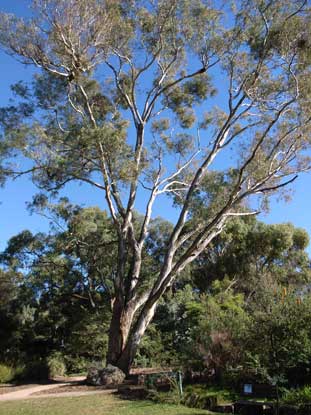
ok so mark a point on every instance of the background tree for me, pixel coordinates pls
(58, 287)
(278, 347)
(252, 254)
(215, 318)
(61, 304)
(133, 132)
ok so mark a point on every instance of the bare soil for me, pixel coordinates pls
(14, 388)
(74, 387)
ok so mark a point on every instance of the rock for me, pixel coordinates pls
(108, 376)
(111, 375)
(93, 377)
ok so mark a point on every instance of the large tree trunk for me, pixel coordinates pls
(128, 354)
(124, 336)
(120, 326)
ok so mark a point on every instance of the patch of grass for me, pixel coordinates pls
(93, 405)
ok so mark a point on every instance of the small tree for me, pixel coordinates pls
(127, 103)
(278, 343)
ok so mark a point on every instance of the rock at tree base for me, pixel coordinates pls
(108, 376)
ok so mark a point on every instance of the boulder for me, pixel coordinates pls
(93, 377)
(108, 376)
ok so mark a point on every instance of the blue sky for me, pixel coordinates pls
(13, 197)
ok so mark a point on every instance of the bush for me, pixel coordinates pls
(6, 373)
(35, 370)
(298, 396)
(141, 361)
(170, 397)
(19, 371)
(56, 365)
(206, 398)
(76, 365)
(195, 400)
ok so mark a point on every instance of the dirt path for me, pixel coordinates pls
(33, 391)
(36, 391)
(26, 393)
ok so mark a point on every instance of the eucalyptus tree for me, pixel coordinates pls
(127, 102)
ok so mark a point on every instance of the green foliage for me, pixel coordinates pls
(61, 302)
(297, 396)
(219, 330)
(35, 370)
(76, 364)
(19, 371)
(195, 400)
(171, 397)
(175, 322)
(279, 342)
(56, 365)
(200, 325)
(199, 396)
(217, 335)
(6, 373)
(249, 251)
(152, 352)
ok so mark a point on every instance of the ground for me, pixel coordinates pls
(68, 396)
(99, 404)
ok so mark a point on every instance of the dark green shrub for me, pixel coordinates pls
(76, 365)
(170, 397)
(35, 370)
(298, 396)
(196, 400)
(198, 396)
(19, 371)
